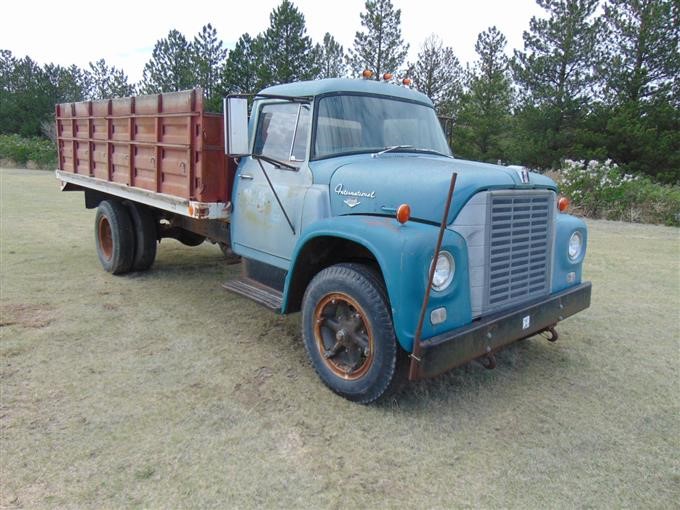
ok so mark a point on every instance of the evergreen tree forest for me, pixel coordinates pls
(594, 79)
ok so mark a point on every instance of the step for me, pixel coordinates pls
(247, 287)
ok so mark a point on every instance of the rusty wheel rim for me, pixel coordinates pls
(105, 238)
(343, 336)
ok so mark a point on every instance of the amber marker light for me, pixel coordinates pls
(387, 76)
(367, 74)
(403, 213)
(407, 82)
(562, 204)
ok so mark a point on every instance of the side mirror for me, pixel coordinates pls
(236, 126)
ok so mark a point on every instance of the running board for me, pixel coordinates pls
(247, 287)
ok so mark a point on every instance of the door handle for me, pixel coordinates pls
(246, 176)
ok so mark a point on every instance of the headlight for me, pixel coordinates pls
(575, 245)
(443, 271)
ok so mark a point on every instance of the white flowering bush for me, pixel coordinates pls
(601, 190)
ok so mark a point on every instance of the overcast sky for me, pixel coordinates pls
(124, 32)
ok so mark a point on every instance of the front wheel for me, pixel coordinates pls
(348, 332)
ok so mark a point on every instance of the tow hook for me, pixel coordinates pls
(550, 334)
(488, 361)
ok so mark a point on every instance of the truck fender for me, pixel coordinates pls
(567, 272)
(403, 254)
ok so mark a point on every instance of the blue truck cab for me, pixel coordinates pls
(321, 175)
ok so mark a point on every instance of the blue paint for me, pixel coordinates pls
(416, 179)
(565, 225)
(354, 197)
(331, 86)
(404, 253)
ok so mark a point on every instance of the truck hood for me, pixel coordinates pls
(379, 185)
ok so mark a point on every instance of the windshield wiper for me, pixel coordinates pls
(275, 162)
(411, 148)
(389, 149)
(432, 151)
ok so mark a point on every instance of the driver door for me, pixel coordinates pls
(260, 228)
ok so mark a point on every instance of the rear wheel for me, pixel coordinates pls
(348, 332)
(146, 236)
(114, 237)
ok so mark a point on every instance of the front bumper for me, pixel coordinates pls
(453, 348)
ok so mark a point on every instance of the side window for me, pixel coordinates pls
(301, 134)
(282, 131)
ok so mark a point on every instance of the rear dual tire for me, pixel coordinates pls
(146, 236)
(125, 237)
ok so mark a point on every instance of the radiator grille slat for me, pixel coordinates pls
(519, 246)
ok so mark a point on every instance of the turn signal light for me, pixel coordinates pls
(407, 82)
(562, 204)
(387, 76)
(367, 74)
(403, 213)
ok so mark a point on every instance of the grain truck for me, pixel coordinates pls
(341, 200)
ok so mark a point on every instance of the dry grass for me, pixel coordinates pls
(162, 390)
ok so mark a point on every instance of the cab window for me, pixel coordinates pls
(282, 131)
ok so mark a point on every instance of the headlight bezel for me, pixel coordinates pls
(575, 253)
(446, 282)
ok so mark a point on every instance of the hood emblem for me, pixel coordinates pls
(523, 175)
(352, 202)
(340, 190)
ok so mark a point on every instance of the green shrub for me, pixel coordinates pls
(601, 190)
(21, 150)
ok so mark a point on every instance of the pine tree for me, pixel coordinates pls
(69, 84)
(555, 77)
(287, 51)
(641, 60)
(27, 98)
(639, 75)
(241, 70)
(437, 73)
(208, 60)
(106, 82)
(169, 68)
(330, 58)
(9, 122)
(482, 130)
(380, 48)
(556, 66)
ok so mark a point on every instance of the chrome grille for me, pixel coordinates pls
(519, 247)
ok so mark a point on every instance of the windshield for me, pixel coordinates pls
(348, 124)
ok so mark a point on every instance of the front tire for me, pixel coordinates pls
(114, 237)
(348, 333)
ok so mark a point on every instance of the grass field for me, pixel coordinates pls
(163, 390)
